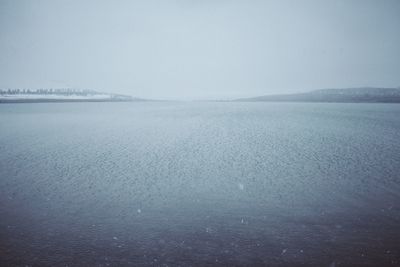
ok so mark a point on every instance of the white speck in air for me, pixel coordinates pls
(241, 186)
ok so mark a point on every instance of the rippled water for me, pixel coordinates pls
(197, 184)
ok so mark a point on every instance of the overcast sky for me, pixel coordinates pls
(193, 49)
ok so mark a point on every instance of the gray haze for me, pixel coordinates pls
(199, 49)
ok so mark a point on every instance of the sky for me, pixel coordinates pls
(193, 49)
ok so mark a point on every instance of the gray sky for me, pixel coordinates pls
(199, 49)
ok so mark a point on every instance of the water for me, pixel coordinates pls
(199, 184)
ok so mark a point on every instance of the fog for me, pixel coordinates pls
(199, 49)
(90, 176)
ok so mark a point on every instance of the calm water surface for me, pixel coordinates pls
(199, 184)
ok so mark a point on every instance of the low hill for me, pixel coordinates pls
(348, 95)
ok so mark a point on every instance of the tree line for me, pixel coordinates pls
(51, 91)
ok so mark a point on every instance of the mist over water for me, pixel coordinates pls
(181, 184)
(199, 49)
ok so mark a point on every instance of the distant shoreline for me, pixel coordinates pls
(22, 101)
(349, 95)
(367, 101)
(345, 95)
(60, 95)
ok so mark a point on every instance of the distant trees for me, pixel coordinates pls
(10, 91)
(49, 91)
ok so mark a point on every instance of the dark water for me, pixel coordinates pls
(199, 184)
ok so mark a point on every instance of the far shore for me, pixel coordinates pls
(21, 101)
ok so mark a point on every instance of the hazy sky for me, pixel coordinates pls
(193, 49)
